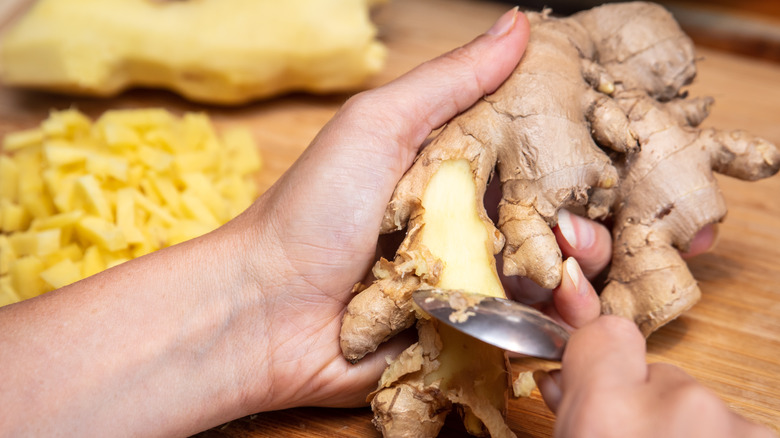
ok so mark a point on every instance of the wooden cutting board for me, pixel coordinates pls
(730, 341)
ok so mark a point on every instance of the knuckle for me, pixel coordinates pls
(358, 102)
(370, 113)
(461, 56)
(464, 62)
(692, 397)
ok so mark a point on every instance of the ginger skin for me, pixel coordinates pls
(667, 189)
(649, 282)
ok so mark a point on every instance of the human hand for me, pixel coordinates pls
(325, 219)
(605, 388)
(316, 227)
(321, 236)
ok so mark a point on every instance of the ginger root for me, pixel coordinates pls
(207, 50)
(441, 368)
(608, 77)
(547, 159)
(667, 189)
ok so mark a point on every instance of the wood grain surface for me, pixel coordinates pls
(730, 341)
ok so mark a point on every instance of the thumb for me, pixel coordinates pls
(376, 134)
(428, 96)
(407, 109)
(343, 181)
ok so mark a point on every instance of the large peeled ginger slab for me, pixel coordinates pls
(216, 51)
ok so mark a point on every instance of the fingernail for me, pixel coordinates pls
(549, 384)
(567, 227)
(708, 234)
(574, 272)
(555, 375)
(580, 237)
(505, 23)
(546, 382)
(715, 236)
(540, 376)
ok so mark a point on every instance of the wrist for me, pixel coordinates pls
(250, 263)
(213, 344)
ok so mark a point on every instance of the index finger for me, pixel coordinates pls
(703, 241)
(586, 240)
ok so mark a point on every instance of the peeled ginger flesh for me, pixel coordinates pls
(78, 197)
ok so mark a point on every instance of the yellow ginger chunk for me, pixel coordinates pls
(119, 135)
(7, 254)
(93, 262)
(62, 153)
(39, 243)
(9, 175)
(7, 293)
(194, 208)
(241, 149)
(78, 197)
(94, 197)
(60, 220)
(104, 166)
(12, 217)
(67, 124)
(71, 252)
(125, 216)
(210, 50)
(25, 274)
(22, 139)
(61, 274)
(199, 186)
(101, 232)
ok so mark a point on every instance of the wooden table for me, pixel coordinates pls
(730, 341)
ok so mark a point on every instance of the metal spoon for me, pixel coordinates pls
(504, 323)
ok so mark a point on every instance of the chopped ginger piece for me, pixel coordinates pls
(524, 384)
(78, 197)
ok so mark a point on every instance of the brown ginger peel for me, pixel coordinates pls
(668, 191)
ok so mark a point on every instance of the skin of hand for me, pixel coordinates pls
(605, 388)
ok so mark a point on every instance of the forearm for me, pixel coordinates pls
(141, 349)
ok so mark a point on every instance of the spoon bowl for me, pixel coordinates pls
(506, 324)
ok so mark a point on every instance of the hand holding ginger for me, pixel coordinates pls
(244, 319)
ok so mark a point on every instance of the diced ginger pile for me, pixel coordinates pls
(78, 197)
